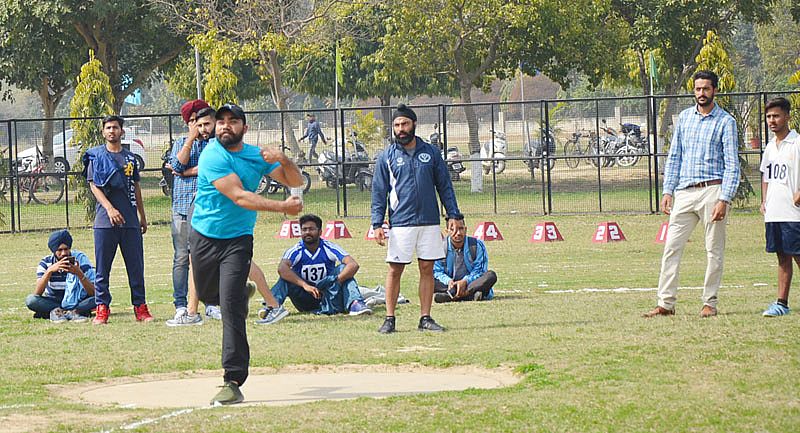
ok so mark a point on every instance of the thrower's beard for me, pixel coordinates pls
(230, 139)
(407, 138)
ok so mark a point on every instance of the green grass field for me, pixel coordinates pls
(590, 363)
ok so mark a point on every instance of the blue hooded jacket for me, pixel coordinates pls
(408, 183)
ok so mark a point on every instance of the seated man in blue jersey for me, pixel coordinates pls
(310, 277)
(64, 283)
(464, 274)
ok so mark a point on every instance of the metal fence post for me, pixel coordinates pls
(15, 173)
(544, 163)
(649, 152)
(543, 107)
(340, 169)
(66, 172)
(599, 158)
(10, 179)
(656, 153)
(494, 171)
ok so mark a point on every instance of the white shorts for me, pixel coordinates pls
(427, 241)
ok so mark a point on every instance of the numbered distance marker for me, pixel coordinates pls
(608, 232)
(370, 236)
(289, 229)
(335, 230)
(545, 232)
(661, 237)
(487, 231)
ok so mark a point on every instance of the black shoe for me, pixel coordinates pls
(426, 323)
(388, 326)
(442, 297)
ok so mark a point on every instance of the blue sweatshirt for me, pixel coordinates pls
(408, 183)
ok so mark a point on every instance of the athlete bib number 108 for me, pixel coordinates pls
(777, 172)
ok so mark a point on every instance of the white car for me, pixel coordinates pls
(62, 165)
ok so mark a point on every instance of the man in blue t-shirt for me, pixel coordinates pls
(64, 283)
(113, 175)
(317, 275)
(221, 240)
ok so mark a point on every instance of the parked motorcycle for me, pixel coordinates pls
(534, 150)
(632, 145)
(452, 157)
(354, 168)
(272, 186)
(166, 173)
(499, 155)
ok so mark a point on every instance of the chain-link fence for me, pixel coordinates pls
(531, 158)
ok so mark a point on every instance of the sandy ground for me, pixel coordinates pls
(285, 386)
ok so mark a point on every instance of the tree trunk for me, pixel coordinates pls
(386, 114)
(643, 78)
(474, 141)
(281, 99)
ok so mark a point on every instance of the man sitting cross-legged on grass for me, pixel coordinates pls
(464, 274)
(64, 283)
(310, 277)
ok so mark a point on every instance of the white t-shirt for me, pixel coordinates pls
(780, 168)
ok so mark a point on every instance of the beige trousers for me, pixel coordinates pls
(690, 206)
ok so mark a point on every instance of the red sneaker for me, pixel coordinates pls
(142, 313)
(101, 317)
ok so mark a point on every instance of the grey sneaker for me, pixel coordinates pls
(229, 394)
(76, 317)
(58, 315)
(185, 320)
(213, 312)
(272, 315)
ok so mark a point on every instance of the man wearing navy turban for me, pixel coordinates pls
(64, 283)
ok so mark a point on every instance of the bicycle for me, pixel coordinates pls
(42, 187)
(574, 150)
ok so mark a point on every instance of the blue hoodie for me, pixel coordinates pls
(443, 269)
(408, 184)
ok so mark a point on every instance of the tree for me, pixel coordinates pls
(266, 30)
(476, 42)
(358, 29)
(676, 30)
(39, 54)
(93, 99)
(129, 37)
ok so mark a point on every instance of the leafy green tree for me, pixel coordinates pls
(358, 29)
(475, 43)
(39, 54)
(131, 39)
(93, 99)
(266, 31)
(675, 30)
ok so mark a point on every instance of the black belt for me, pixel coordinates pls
(706, 183)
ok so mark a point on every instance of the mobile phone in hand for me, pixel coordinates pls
(71, 260)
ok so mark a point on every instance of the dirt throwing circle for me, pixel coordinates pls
(293, 385)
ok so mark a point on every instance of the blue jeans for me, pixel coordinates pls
(333, 301)
(43, 305)
(180, 261)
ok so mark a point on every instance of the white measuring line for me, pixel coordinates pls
(16, 406)
(147, 421)
(628, 289)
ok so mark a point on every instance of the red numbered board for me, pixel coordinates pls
(546, 232)
(289, 229)
(661, 237)
(335, 230)
(370, 236)
(487, 231)
(608, 232)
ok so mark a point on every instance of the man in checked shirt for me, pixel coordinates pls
(700, 179)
